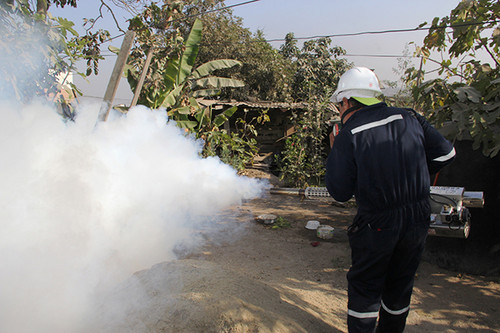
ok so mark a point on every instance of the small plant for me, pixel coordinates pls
(237, 148)
(281, 223)
(230, 148)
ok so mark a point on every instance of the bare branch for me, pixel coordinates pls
(112, 14)
(101, 16)
(132, 7)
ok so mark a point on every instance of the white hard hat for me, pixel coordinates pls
(359, 83)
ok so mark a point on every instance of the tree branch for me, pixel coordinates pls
(491, 54)
(112, 14)
(101, 16)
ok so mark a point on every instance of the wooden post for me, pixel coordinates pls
(142, 78)
(116, 75)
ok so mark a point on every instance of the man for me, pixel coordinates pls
(384, 157)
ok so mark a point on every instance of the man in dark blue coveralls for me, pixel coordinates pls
(384, 157)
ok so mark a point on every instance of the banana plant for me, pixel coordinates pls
(178, 83)
(184, 83)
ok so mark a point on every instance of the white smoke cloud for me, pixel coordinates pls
(84, 206)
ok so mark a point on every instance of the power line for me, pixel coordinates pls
(344, 55)
(219, 9)
(379, 55)
(384, 31)
(379, 32)
(199, 14)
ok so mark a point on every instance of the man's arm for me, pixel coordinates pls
(439, 151)
(340, 171)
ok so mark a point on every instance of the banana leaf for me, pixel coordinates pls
(220, 119)
(206, 93)
(171, 98)
(207, 68)
(171, 73)
(190, 53)
(187, 124)
(218, 82)
(184, 110)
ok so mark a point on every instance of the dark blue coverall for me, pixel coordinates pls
(384, 157)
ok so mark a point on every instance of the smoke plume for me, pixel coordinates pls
(84, 206)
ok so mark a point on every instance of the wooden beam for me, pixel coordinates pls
(142, 78)
(116, 75)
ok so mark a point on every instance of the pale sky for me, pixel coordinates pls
(306, 19)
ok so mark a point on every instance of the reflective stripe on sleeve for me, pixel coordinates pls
(376, 123)
(445, 157)
(362, 315)
(395, 312)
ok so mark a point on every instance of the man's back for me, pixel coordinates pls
(388, 159)
(380, 157)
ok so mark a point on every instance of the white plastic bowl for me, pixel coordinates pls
(266, 218)
(324, 232)
(312, 225)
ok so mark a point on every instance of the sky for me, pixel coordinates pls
(305, 19)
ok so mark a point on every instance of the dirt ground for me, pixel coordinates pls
(255, 278)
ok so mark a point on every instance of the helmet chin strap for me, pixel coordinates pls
(350, 110)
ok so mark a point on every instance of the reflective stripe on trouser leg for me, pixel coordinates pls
(396, 296)
(371, 253)
(360, 322)
(392, 320)
(362, 315)
(395, 312)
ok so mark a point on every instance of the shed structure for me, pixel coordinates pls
(271, 135)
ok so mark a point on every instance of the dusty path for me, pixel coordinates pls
(252, 278)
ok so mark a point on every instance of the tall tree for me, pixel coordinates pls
(465, 99)
(39, 50)
(267, 74)
(318, 67)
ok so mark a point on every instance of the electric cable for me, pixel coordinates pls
(466, 24)
(219, 9)
(442, 196)
(352, 34)
(195, 15)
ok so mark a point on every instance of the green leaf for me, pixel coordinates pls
(203, 116)
(171, 97)
(218, 82)
(206, 93)
(67, 24)
(183, 110)
(191, 52)
(470, 93)
(171, 74)
(211, 66)
(422, 25)
(114, 49)
(220, 119)
(187, 124)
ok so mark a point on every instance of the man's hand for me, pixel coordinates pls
(333, 134)
(332, 139)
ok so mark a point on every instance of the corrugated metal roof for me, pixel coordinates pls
(263, 104)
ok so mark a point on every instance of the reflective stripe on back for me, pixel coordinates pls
(377, 123)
